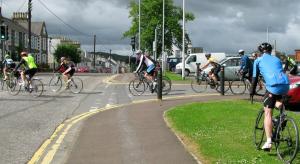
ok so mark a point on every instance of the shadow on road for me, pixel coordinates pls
(90, 93)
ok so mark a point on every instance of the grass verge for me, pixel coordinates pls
(176, 77)
(221, 132)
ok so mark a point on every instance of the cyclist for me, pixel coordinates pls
(67, 69)
(246, 66)
(7, 63)
(30, 67)
(291, 65)
(150, 64)
(213, 74)
(277, 85)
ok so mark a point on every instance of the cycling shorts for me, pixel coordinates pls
(151, 69)
(71, 72)
(270, 99)
(31, 72)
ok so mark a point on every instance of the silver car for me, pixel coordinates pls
(232, 64)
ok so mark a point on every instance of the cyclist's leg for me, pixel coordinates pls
(215, 73)
(149, 73)
(5, 73)
(269, 104)
(30, 73)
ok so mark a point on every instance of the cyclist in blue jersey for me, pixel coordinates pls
(276, 82)
(246, 66)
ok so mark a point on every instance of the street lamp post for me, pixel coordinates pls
(139, 24)
(183, 41)
(163, 39)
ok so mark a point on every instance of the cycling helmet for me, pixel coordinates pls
(62, 59)
(241, 51)
(7, 56)
(265, 47)
(138, 52)
(207, 55)
(24, 53)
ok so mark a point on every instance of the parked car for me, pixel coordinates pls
(82, 69)
(232, 64)
(192, 59)
(294, 92)
(172, 62)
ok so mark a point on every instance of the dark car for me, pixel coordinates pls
(172, 62)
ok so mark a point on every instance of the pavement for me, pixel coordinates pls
(133, 132)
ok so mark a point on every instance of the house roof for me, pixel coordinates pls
(36, 27)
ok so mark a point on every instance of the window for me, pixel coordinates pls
(232, 62)
(192, 59)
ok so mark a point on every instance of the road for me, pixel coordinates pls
(26, 122)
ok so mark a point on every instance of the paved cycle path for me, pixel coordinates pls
(133, 134)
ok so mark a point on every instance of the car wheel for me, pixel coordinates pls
(186, 72)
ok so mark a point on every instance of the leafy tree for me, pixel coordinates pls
(151, 18)
(69, 51)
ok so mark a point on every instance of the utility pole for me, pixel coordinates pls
(155, 45)
(110, 61)
(29, 25)
(94, 61)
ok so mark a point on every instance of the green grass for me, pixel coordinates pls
(221, 132)
(176, 77)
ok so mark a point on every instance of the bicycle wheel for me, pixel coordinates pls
(36, 88)
(166, 85)
(13, 86)
(288, 139)
(237, 87)
(137, 87)
(199, 85)
(226, 86)
(55, 83)
(259, 130)
(76, 85)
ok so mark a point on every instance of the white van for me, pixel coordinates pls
(192, 59)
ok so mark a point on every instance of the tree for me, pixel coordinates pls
(151, 18)
(69, 51)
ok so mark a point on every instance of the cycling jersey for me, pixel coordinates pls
(8, 63)
(148, 62)
(245, 64)
(28, 61)
(213, 62)
(270, 67)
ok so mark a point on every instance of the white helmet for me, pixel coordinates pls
(240, 51)
(138, 52)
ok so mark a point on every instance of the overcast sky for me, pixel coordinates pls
(220, 25)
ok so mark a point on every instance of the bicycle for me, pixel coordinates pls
(202, 81)
(33, 86)
(238, 87)
(285, 133)
(75, 84)
(140, 84)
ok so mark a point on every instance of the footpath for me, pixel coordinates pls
(135, 133)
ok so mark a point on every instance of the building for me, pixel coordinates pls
(297, 55)
(39, 36)
(18, 37)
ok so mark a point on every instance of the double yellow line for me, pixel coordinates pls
(62, 130)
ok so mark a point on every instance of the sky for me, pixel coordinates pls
(220, 25)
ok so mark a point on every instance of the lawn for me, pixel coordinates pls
(221, 132)
(176, 77)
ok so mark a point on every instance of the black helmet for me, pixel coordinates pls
(207, 55)
(265, 47)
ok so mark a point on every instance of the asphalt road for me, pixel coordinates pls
(26, 122)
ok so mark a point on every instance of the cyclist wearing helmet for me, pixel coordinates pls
(246, 66)
(291, 65)
(67, 69)
(30, 66)
(150, 64)
(277, 85)
(213, 74)
(7, 63)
